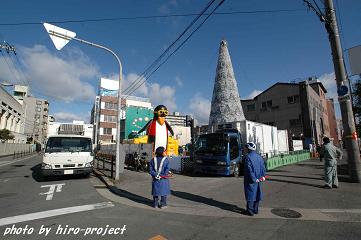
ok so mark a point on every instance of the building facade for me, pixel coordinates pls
(332, 121)
(12, 116)
(36, 118)
(301, 108)
(105, 112)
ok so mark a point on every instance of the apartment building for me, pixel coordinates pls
(299, 107)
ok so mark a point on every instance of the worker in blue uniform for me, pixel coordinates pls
(254, 174)
(159, 170)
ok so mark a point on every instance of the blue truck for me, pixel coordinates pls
(218, 153)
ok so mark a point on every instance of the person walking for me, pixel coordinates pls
(330, 154)
(254, 174)
(159, 170)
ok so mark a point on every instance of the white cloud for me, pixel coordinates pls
(10, 71)
(165, 8)
(69, 117)
(329, 82)
(162, 95)
(130, 79)
(65, 77)
(252, 94)
(179, 81)
(157, 94)
(200, 108)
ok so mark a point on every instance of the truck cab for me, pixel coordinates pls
(218, 153)
(67, 154)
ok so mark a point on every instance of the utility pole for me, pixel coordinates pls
(344, 94)
(350, 135)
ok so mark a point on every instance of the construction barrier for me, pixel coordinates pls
(287, 159)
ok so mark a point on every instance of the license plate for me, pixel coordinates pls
(68, 171)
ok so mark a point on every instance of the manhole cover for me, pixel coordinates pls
(286, 213)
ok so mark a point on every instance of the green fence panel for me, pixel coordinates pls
(283, 160)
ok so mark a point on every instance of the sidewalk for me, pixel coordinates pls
(297, 187)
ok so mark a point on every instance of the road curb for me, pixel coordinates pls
(108, 183)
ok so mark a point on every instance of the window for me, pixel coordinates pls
(295, 122)
(38, 109)
(109, 105)
(38, 102)
(233, 147)
(251, 107)
(64, 144)
(264, 104)
(269, 103)
(290, 99)
(110, 118)
(293, 99)
(107, 131)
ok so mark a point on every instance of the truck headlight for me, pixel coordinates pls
(221, 163)
(89, 164)
(46, 166)
(199, 161)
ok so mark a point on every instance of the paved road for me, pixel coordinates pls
(22, 201)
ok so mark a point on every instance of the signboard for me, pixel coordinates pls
(59, 42)
(108, 87)
(297, 145)
(355, 60)
(135, 119)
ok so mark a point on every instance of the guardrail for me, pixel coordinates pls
(287, 159)
(19, 154)
(105, 164)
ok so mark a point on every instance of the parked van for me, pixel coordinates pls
(67, 154)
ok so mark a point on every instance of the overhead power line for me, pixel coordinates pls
(154, 17)
(191, 34)
(154, 64)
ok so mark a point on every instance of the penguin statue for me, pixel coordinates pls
(157, 128)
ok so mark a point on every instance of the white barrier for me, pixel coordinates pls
(11, 148)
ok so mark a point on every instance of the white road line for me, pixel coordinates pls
(11, 162)
(54, 212)
(52, 188)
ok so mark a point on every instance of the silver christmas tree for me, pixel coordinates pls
(226, 103)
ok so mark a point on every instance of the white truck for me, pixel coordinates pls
(67, 154)
(265, 137)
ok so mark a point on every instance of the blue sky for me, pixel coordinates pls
(265, 48)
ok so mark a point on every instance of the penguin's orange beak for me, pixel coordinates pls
(161, 120)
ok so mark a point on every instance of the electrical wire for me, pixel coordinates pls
(195, 30)
(153, 17)
(139, 79)
(11, 70)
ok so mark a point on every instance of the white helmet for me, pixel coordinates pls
(251, 146)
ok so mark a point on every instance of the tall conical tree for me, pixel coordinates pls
(226, 103)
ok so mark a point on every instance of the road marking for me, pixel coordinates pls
(158, 237)
(52, 188)
(54, 212)
(11, 162)
(4, 180)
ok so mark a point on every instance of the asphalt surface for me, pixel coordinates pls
(21, 193)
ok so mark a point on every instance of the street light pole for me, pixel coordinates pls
(120, 155)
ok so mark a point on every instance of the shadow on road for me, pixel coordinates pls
(208, 201)
(295, 182)
(131, 196)
(38, 176)
(292, 176)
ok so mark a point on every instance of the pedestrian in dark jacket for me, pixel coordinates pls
(159, 170)
(254, 174)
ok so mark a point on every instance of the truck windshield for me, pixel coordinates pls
(68, 144)
(211, 143)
